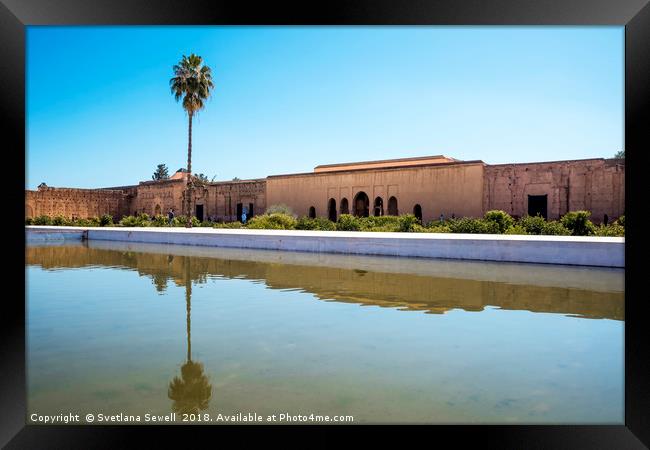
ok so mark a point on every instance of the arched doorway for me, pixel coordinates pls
(417, 212)
(344, 206)
(331, 210)
(361, 205)
(379, 207)
(312, 212)
(392, 206)
(157, 210)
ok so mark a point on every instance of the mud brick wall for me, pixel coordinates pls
(76, 203)
(596, 185)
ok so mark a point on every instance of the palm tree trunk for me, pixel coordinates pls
(188, 192)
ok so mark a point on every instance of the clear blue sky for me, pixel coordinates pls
(100, 113)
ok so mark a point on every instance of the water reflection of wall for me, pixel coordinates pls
(414, 292)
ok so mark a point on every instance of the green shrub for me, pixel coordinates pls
(440, 228)
(347, 222)
(159, 221)
(143, 220)
(473, 226)
(501, 218)
(94, 222)
(181, 221)
(620, 221)
(610, 230)
(305, 223)
(106, 220)
(437, 223)
(390, 228)
(407, 222)
(129, 221)
(430, 228)
(532, 224)
(228, 225)
(516, 229)
(28, 220)
(554, 228)
(319, 223)
(84, 223)
(538, 225)
(378, 223)
(578, 223)
(280, 208)
(60, 221)
(42, 220)
(275, 221)
(419, 228)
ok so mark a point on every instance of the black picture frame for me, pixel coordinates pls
(15, 15)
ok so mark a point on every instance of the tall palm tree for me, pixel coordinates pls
(192, 82)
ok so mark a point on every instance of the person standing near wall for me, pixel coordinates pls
(170, 214)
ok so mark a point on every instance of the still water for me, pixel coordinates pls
(135, 329)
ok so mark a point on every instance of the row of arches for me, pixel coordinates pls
(361, 207)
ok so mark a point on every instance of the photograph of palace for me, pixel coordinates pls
(325, 225)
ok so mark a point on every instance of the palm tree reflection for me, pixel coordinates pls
(191, 392)
(160, 281)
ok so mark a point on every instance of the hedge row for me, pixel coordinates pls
(141, 220)
(103, 221)
(574, 223)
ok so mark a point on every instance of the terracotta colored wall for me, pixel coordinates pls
(446, 189)
(463, 189)
(78, 203)
(596, 185)
(147, 197)
(165, 194)
(220, 199)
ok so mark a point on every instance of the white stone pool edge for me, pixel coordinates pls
(565, 250)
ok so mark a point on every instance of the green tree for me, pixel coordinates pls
(161, 173)
(236, 179)
(620, 154)
(578, 223)
(191, 83)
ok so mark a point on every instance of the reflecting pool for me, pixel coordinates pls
(135, 329)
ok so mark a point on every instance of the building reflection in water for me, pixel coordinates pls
(580, 292)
